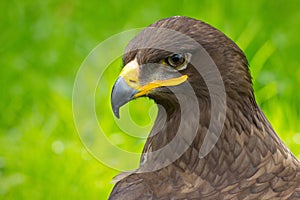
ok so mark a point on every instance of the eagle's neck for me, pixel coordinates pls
(247, 143)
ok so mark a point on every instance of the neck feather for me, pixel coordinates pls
(246, 143)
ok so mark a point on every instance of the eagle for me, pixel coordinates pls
(210, 139)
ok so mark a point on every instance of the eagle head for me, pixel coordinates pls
(180, 56)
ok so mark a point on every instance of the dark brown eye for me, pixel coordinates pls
(176, 60)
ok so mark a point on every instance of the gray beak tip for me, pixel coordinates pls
(117, 113)
(121, 94)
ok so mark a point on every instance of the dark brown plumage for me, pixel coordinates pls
(249, 161)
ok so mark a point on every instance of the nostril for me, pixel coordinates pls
(132, 81)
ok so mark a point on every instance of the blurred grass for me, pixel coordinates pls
(42, 46)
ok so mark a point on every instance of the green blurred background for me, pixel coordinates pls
(42, 45)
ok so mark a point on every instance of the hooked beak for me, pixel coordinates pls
(127, 86)
(121, 94)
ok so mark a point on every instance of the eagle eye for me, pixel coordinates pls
(177, 61)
